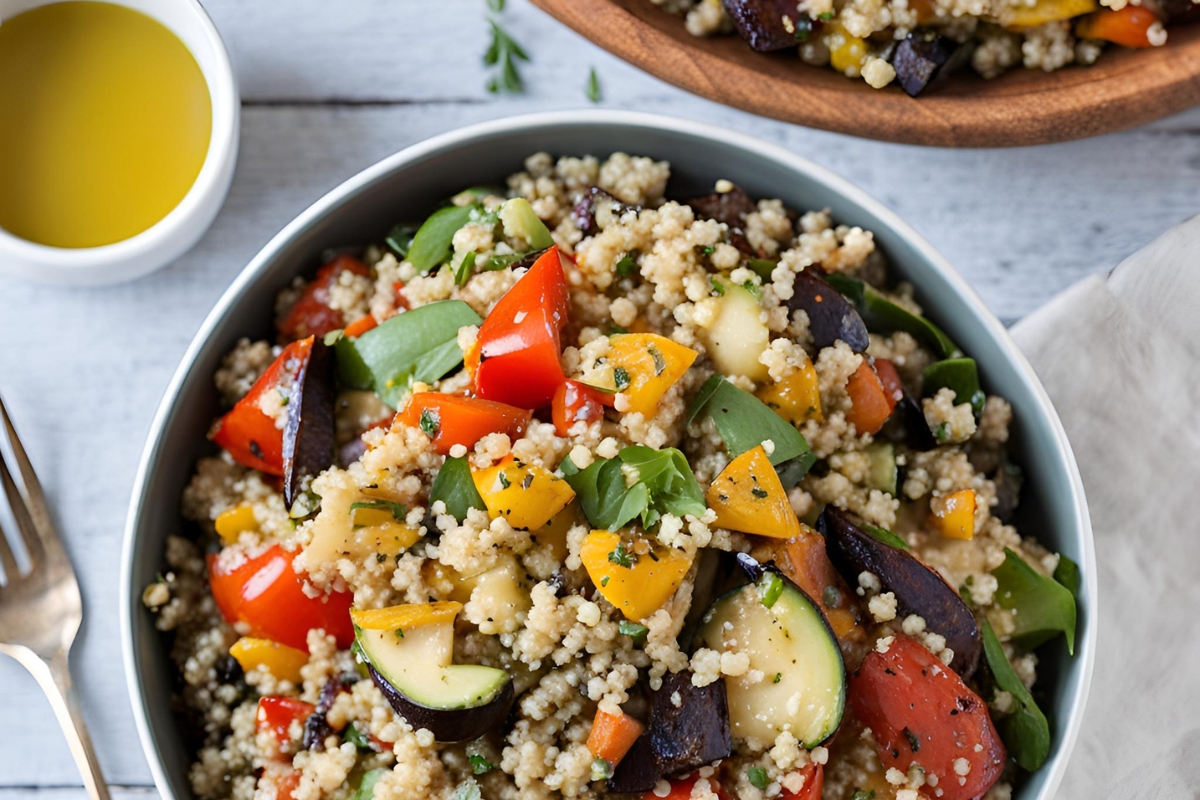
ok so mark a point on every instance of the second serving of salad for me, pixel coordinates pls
(574, 490)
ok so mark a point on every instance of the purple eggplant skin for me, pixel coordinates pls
(830, 315)
(760, 23)
(448, 724)
(916, 429)
(308, 433)
(583, 213)
(637, 772)
(730, 208)
(918, 589)
(919, 58)
(694, 733)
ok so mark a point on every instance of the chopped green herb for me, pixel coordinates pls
(634, 630)
(465, 267)
(884, 536)
(454, 486)
(753, 288)
(770, 587)
(504, 53)
(602, 769)
(626, 266)
(665, 485)
(708, 250)
(759, 493)
(398, 510)
(621, 378)
(357, 738)
(592, 90)
(831, 596)
(660, 363)
(757, 777)
(943, 432)
(604, 581)
(1042, 606)
(803, 27)
(826, 15)
(479, 764)
(778, 677)
(1025, 732)
(860, 794)
(717, 287)
(366, 787)
(504, 481)
(431, 422)
(763, 267)
(914, 743)
(622, 557)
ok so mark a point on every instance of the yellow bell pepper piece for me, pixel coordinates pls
(395, 618)
(1021, 17)
(233, 523)
(526, 495)
(954, 514)
(796, 398)
(280, 660)
(377, 530)
(749, 497)
(645, 366)
(554, 533)
(638, 584)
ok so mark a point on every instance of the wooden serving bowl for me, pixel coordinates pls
(1123, 89)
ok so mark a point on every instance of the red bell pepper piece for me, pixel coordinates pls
(266, 594)
(920, 712)
(681, 789)
(450, 419)
(519, 345)
(814, 783)
(275, 716)
(311, 315)
(251, 436)
(893, 387)
(575, 402)
(279, 781)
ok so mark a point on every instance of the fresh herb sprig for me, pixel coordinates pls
(503, 54)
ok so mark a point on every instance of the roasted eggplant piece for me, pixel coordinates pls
(919, 58)
(762, 23)
(308, 433)
(409, 652)
(830, 315)
(916, 429)
(730, 208)
(918, 589)
(583, 213)
(681, 735)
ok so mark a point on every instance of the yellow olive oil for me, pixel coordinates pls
(105, 120)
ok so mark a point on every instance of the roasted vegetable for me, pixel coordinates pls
(730, 208)
(278, 659)
(274, 720)
(830, 315)
(636, 576)
(583, 214)
(449, 419)
(409, 652)
(884, 316)
(526, 495)
(764, 24)
(312, 315)
(736, 335)
(575, 402)
(802, 559)
(689, 724)
(918, 589)
(308, 431)
(644, 367)
(920, 57)
(788, 640)
(870, 405)
(612, 735)
(919, 712)
(954, 514)
(797, 397)
(748, 497)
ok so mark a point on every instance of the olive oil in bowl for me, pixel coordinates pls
(105, 121)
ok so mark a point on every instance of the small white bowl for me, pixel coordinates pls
(175, 233)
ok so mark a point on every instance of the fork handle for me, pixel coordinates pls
(55, 679)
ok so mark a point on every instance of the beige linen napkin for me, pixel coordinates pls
(1120, 358)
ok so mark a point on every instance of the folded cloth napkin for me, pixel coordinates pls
(1120, 358)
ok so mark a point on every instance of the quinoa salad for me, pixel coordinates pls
(911, 42)
(576, 489)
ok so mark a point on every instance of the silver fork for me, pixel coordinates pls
(40, 607)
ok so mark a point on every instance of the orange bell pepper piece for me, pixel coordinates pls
(870, 404)
(1127, 27)
(450, 419)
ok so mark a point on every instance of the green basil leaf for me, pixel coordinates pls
(1043, 607)
(360, 740)
(959, 375)
(606, 501)
(366, 788)
(745, 422)
(431, 244)
(668, 478)
(417, 345)
(884, 536)
(1025, 732)
(455, 487)
(665, 485)
(1067, 573)
(883, 315)
(400, 239)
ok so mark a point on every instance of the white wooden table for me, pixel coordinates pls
(331, 87)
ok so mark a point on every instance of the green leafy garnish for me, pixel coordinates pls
(943, 432)
(479, 764)
(863, 794)
(1043, 607)
(431, 244)
(757, 777)
(1067, 573)
(959, 375)
(884, 536)
(717, 287)
(1025, 732)
(430, 422)
(366, 788)
(881, 314)
(455, 487)
(621, 379)
(634, 630)
(778, 677)
(745, 422)
(462, 273)
(504, 53)
(357, 738)
(826, 15)
(602, 769)
(398, 510)
(770, 587)
(626, 266)
(496, 5)
(640, 481)
(400, 239)
(622, 557)
(592, 90)
(418, 345)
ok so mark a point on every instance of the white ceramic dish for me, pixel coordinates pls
(175, 233)
(408, 185)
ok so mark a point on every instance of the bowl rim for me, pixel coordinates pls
(130, 606)
(178, 230)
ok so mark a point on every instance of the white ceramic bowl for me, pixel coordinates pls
(407, 186)
(175, 233)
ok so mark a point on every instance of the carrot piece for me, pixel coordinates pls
(870, 407)
(612, 735)
(1129, 27)
(360, 326)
